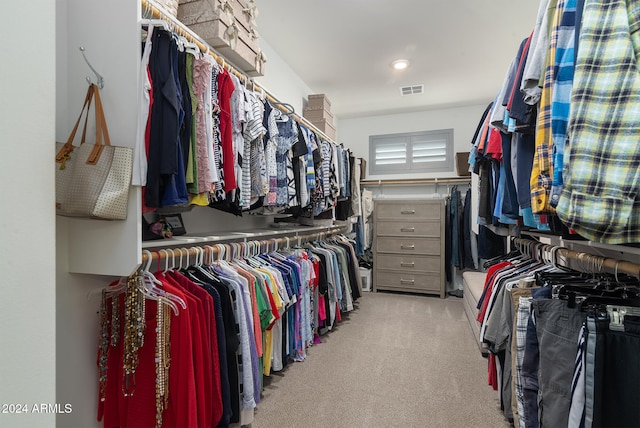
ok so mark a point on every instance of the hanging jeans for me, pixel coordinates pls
(613, 371)
(530, 365)
(558, 331)
(455, 227)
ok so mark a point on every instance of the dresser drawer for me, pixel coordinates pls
(408, 245)
(409, 263)
(391, 228)
(408, 210)
(408, 281)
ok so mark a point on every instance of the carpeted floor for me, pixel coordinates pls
(399, 360)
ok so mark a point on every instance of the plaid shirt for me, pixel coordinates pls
(561, 97)
(600, 195)
(542, 172)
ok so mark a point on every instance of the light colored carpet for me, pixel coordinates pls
(399, 360)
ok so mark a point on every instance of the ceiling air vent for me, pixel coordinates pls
(411, 90)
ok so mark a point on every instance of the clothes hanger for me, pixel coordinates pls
(155, 23)
(159, 293)
(150, 287)
(597, 290)
(289, 108)
(188, 46)
(214, 251)
(206, 264)
(117, 288)
(166, 260)
(203, 253)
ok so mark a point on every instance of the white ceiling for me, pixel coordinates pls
(459, 49)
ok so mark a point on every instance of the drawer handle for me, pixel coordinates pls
(408, 229)
(408, 212)
(403, 264)
(407, 247)
(407, 281)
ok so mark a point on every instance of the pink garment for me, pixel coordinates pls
(322, 313)
(201, 76)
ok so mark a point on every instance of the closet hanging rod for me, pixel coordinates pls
(158, 12)
(595, 264)
(416, 181)
(162, 253)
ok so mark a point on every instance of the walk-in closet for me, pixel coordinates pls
(261, 213)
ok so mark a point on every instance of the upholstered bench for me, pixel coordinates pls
(472, 286)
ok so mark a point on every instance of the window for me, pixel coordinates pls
(428, 151)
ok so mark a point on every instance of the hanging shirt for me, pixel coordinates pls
(165, 171)
(212, 399)
(542, 173)
(600, 195)
(534, 69)
(253, 163)
(286, 138)
(202, 69)
(191, 173)
(355, 187)
(334, 186)
(312, 145)
(248, 399)
(298, 151)
(225, 90)
(326, 168)
(271, 150)
(139, 177)
(238, 119)
(561, 94)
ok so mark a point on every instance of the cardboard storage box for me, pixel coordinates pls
(318, 102)
(215, 25)
(316, 115)
(326, 127)
(462, 163)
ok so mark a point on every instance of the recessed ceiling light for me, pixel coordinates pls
(400, 64)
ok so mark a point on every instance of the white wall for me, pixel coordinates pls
(354, 133)
(27, 218)
(282, 81)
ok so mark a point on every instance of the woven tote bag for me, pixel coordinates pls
(93, 180)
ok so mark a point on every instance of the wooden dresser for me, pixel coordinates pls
(408, 247)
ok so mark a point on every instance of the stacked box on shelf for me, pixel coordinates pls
(318, 102)
(318, 112)
(326, 127)
(317, 115)
(228, 26)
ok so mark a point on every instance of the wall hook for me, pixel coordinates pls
(100, 78)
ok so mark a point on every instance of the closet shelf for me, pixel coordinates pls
(253, 235)
(452, 180)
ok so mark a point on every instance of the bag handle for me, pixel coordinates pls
(101, 130)
(68, 146)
